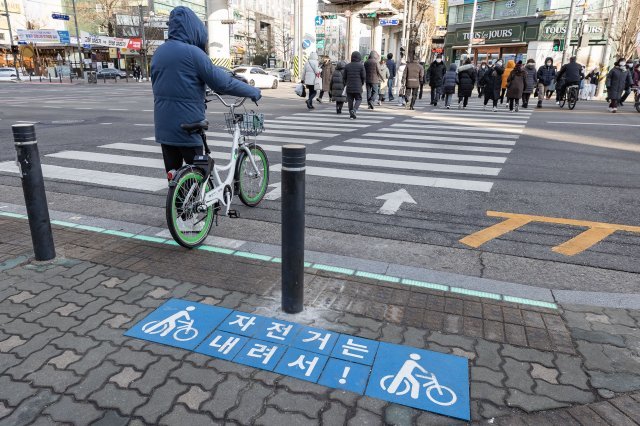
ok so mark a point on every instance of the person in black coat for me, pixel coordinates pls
(617, 81)
(466, 82)
(492, 82)
(481, 71)
(436, 79)
(354, 78)
(336, 87)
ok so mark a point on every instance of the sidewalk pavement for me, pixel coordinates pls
(64, 359)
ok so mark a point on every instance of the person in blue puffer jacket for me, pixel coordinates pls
(180, 69)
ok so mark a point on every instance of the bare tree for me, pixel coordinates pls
(422, 28)
(98, 15)
(283, 42)
(628, 37)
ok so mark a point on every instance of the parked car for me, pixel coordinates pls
(8, 74)
(233, 74)
(257, 77)
(111, 73)
(283, 74)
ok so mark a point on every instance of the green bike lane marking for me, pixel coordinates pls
(310, 265)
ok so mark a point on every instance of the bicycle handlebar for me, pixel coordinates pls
(234, 105)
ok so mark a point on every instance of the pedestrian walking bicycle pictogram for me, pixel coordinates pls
(184, 332)
(405, 381)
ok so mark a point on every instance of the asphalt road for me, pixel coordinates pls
(456, 165)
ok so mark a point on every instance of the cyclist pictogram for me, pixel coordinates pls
(184, 332)
(406, 381)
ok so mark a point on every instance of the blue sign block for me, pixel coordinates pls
(319, 20)
(64, 36)
(260, 354)
(306, 43)
(179, 323)
(302, 365)
(274, 330)
(345, 375)
(86, 46)
(243, 323)
(222, 345)
(315, 340)
(355, 349)
(422, 379)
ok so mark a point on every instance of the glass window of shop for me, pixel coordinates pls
(503, 9)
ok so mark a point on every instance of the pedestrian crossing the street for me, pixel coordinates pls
(432, 147)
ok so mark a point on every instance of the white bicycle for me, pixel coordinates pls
(196, 192)
(182, 333)
(445, 396)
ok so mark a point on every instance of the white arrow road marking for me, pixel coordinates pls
(276, 193)
(394, 200)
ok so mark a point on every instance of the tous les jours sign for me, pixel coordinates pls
(490, 34)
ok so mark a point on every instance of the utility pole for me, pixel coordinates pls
(75, 20)
(612, 32)
(567, 36)
(15, 58)
(472, 30)
(404, 26)
(144, 45)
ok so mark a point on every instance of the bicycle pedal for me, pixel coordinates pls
(233, 214)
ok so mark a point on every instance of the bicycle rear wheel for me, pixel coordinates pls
(251, 186)
(188, 226)
(572, 99)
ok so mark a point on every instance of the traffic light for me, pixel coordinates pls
(556, 44)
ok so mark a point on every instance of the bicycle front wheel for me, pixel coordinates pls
(251, 185)
(563, 101)
(188, 226)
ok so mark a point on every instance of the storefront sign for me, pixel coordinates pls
(441, 13)
(550, 30)
(43, 36)
(129, 43)
(510, 33)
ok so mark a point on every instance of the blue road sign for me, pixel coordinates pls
(64, 36)
(277, 331)
(355, 349)
(243, 324)
(60, 16)
(260, 354)
(179, 323)
(388, 22)
(306, 43)
(319, 20)
(222, 345)
(302, 365)
(421, 379)
(86, 46)
(315, 340)
(345, 375)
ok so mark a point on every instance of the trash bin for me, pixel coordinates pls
(92, 77)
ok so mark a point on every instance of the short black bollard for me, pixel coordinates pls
(293, 198)
(60, 75)
(24, 137)
(49, 78)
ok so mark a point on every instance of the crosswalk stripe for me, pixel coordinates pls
(429, 145)
(329, 121)
(289, 132)
(428, 138)
(316, 123)
(123, 160)
(408, 165)
(462, 184)
(271, 125)
(263, 137)
(156, 149)
(479, 130)
(488, 115)
(97, 177)
(449, 119)
(364, 114)
(418, 154)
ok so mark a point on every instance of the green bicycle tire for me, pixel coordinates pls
(188, 241)
(252, 200)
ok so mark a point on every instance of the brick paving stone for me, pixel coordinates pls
(515, 334)
(392, 333)
(207, 378)
(345, 397)
(494, 330)
(473, 327)
(531, 403)
(94, 380)
(481, 390)
(251, 402)
(223, 367)
(586, 416)
(517, 375)
(564, 393)
(4, 410)
(154, 375)
(91, 323)
(124, 400)
(25, 329)
(491, 312)
(414, 317)
(112, 282)
(139, 359)
(118, 321)
(399, 415)
(158, 293)
(453, 306)
(63, 360)
(414, 337)
(617, 382)
(372, 404)
(180, 416)
(529, 355)
(225, 396)
(91, 308)
(21, 297)
(532, 319)
(125, 377)
(161, 401)
(302, 386)
(483, 374)
(194, 397)
(7, 361)
(452, 324)
(30, 408)
(287, 401)
(431, 419)
(50, 377)
(13, 391)
(10, 343)
(488, 355)
(93, 358)
(67, 309)
(450, 340)
(548, 374)
(610, 413)
(112, 418)
(364, 417)
(69, 411)
(32, 363)
(628, 406)
(272, 416)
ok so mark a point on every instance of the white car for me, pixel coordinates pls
(8, 74)
(257, 77)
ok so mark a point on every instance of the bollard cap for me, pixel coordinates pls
(294, 157)
(23, 133)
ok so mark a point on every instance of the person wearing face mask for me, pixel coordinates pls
(617, 81)
(546, 75)
(628, 85)
(530, 83)
(593, 78)
(491, 81)
(571, 73)
(481, 71)
(437, 71)
(511, 65)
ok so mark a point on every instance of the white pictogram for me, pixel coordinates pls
(182, 333)
(406, 381)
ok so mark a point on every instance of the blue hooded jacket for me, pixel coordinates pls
(180, 68)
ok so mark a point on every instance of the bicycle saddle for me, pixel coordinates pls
(196, 127)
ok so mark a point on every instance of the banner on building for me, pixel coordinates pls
(441, 13)
(43, 36)
(122, 43)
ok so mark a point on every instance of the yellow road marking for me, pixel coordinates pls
(596, 232)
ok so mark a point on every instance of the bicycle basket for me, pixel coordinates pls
(251, 124)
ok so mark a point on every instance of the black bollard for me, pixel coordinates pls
(24, 137)
(293, 187)
(60, 75)
(49, 78)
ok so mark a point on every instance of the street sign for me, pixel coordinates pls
(478, 41)
(306, 43)
(320, 44)
(319, 35)
(64, 37)
(60, 16)
(228, 22)
(372, 15)
(331, 17)
(388, 22)
(86, 46)
(319, 20)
